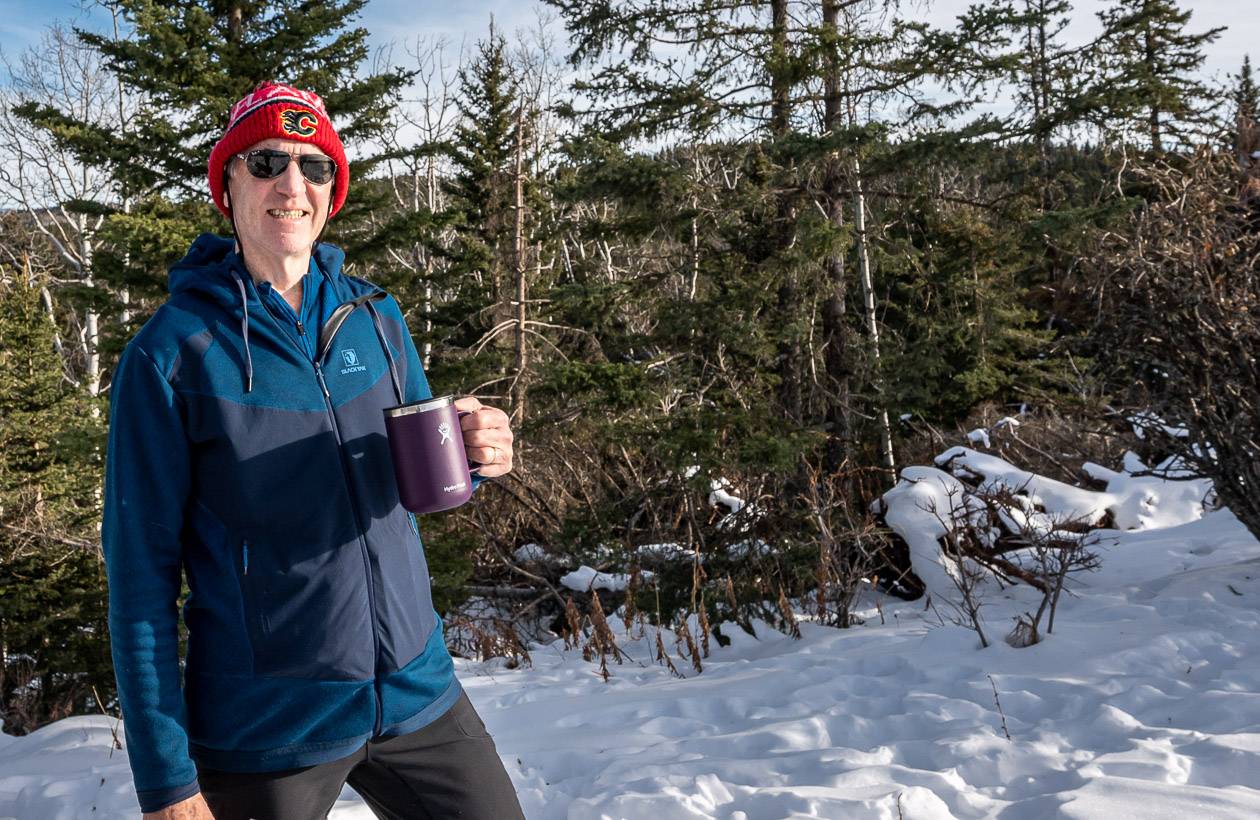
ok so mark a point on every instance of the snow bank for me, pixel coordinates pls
(923, 507)
(584, 579)
(928, 503)
(1142, 704)
(1135, 501)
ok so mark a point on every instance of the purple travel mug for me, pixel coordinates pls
(427, 446)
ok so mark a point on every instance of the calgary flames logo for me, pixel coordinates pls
(298, 122)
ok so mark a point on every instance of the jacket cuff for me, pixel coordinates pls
(158, 799)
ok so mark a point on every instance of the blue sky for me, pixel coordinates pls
(401, 20)
(21, 21)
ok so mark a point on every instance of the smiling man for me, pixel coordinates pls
(242, 460)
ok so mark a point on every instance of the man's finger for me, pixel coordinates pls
(485, 418)
(468, 404)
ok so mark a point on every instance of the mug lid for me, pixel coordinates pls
(419, 406)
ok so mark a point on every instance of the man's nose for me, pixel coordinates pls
(290, 182)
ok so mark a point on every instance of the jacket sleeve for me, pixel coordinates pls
(417, 386)
(146, 486)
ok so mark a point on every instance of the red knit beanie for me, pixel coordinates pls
(283, 112)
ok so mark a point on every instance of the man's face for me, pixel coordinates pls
(278, 217)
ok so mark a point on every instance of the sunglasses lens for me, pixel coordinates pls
(318, 170)
(266, 164)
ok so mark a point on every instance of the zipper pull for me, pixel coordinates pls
(301, 329)
(245, 556)
(320, 373)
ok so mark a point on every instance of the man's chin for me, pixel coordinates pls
(285, 244)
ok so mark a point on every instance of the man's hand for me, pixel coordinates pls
(194, 808)
(487, 437)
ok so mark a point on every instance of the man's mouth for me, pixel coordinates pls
(280, 213)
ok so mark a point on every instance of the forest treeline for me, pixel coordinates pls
(729, 266)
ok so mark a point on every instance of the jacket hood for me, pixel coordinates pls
(212, 267)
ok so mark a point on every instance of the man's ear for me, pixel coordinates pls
(227, 178)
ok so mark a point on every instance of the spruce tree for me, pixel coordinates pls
(52, 580)
(1150, 63)
(477, 287)
(1246, 96)
(1245, 124)
(481, 187)
(757, 71)
(1049, 78)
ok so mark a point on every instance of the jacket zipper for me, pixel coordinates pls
(245, 558)
(367, 561)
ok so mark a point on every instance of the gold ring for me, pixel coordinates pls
(495, 460)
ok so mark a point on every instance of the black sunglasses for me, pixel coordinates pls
(268, 163)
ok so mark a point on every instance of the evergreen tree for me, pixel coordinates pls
(1049, 79)
(52, 585)
(961, 329)
(186, 61)
(1246, 97)
(759, 71)
(476, 312)
(482, 148)
(1149, 69)
(1246, 120)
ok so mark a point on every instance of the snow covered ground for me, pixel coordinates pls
(1144, 703)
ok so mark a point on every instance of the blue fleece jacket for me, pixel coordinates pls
(263, 474)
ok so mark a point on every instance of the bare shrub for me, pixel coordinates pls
(850, 550)
(1178, 305)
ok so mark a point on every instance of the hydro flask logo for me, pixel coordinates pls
(352, 362)
(445, 430)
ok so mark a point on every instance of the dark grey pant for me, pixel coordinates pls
(449, 768)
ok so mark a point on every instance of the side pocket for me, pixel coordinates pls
(254, 624)
(468, 720)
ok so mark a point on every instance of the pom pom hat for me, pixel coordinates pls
(280, 111)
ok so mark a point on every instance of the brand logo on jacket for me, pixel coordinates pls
(352, 362)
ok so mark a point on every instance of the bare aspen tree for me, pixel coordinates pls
(125, 109)
(44, 180)
(518, 241)
(857, 20)
(537, 69)
(414, 167)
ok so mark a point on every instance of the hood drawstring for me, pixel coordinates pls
(249, 359)
(380, 334)
(240, 283)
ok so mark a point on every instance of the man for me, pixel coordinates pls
(247, 449)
